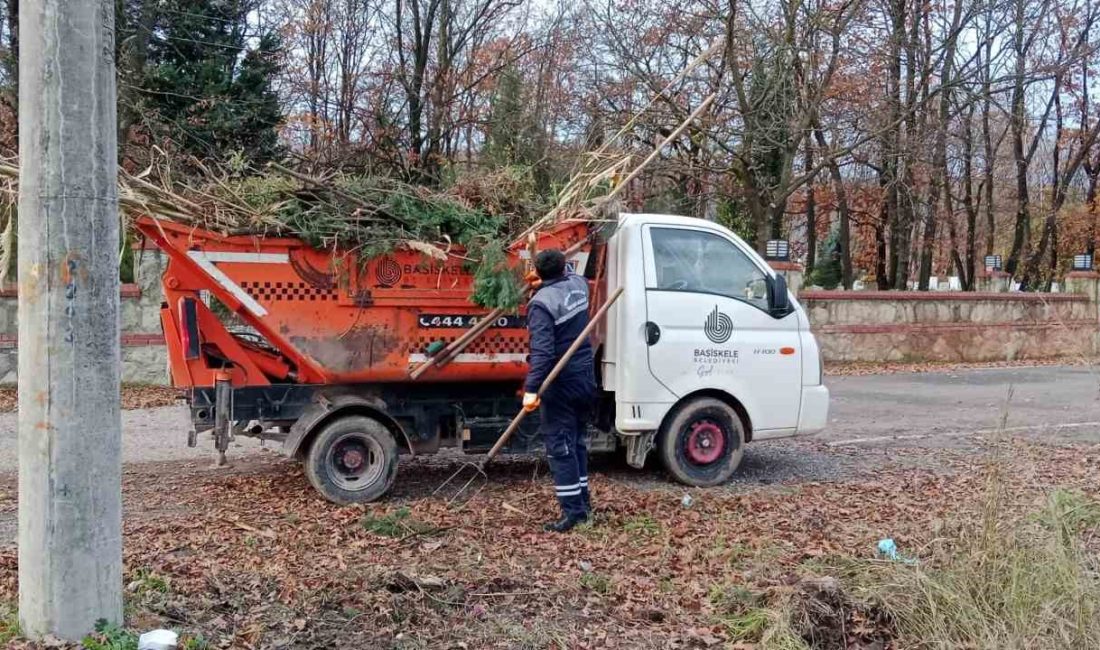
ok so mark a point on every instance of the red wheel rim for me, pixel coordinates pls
(353, 458)
(705, 442)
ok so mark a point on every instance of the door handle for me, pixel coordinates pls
(652, 333)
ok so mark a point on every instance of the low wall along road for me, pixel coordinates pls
(991, 325)
(852, 326)
(951, 326)
(144, 356)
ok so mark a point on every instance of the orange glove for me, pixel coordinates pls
(531, 401)
(533, 279)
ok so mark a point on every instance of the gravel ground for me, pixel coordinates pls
(155, 434)
(875, 421)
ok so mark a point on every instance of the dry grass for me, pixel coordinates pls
(1001, 581)
(1027, 584)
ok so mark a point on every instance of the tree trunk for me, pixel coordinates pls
(811, 213)
(941, 182)
(892, 149)
(1090, 202)
(904, 239)
(890, 222)
(966, 274)
(1021, 236)
(1031, 278)
(881, 277)
(987, 174)
(928, 238)
(760, 217)
(843, 234)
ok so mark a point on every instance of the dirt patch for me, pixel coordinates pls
(358, 349)
(827, 618)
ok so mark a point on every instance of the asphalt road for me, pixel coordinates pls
(942, 409)
(946, 409)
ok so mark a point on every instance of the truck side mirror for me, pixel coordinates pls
(779, 302)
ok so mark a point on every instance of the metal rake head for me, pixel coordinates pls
(462, 495)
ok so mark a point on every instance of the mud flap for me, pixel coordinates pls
(638, 446)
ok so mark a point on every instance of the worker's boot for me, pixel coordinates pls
(565, 524)
(582, 472)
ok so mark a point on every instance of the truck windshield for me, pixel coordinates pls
(695, 260)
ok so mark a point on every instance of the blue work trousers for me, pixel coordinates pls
(565, 409)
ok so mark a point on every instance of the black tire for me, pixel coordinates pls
(701, 443)
(353, 459)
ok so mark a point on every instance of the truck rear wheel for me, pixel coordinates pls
(353, 459)
(702, 442)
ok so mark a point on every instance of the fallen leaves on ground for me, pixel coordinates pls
(253, 558)
(134, 396)
(856, 368)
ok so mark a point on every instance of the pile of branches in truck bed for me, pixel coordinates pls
(371, 215)
(367, 215)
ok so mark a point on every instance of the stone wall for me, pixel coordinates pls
(867, 326)
(876, 326)
(144, 356)
(992, 324)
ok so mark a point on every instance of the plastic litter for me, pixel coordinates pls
(687, 501)
(158, 640)
(888, 550)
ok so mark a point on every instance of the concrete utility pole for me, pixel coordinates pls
(70, 472)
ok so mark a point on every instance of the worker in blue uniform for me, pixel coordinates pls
(556, 316)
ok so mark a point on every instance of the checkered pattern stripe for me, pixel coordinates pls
(276, 291)
(485, 344)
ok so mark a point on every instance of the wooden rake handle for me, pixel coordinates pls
(504, 437)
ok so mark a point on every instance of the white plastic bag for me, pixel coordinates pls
(158, 640)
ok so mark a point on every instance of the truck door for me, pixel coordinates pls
(709, 324)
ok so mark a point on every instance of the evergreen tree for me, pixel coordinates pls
(257, 132)
(513, 137)
(209, 84)
(506, 140)
(732, 215)
(772, 98)
(827, 273)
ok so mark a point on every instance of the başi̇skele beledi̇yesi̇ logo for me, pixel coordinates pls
(719, 328)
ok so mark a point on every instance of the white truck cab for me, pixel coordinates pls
(706, 349)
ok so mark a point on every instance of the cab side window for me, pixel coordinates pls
(698, 261)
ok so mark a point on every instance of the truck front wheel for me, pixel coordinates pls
(353, 459)
(702, 442)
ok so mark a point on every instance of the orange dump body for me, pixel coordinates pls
(329, 317)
